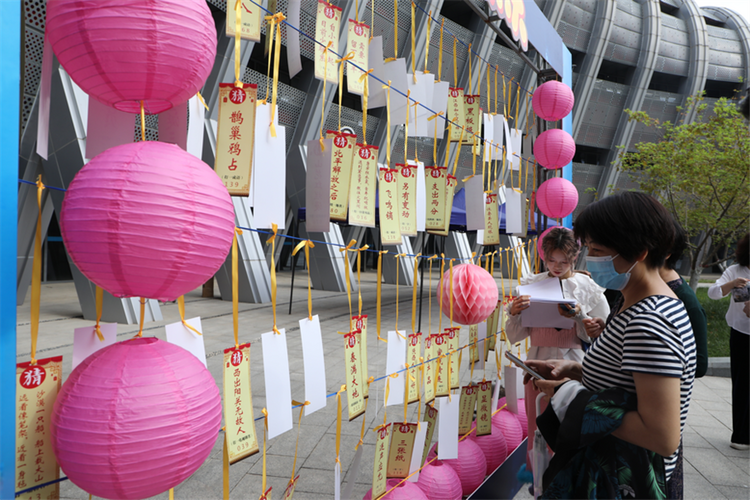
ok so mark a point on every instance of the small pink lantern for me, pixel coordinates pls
(147, 219)
(553, 101)
(557, 197)
(493, 446)
(135, 419)
(511, 429)
(438, 480)
(121, 52)
(404, 490)
(554, 148)
(470, 465)
(474, 294)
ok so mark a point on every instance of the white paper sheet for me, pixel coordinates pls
(511, 374)
(542, 311)
(278, 386)
(318, 186)
(196, 126)
(269, 171)
(416, 456)
(314, 364)
(481, 343)
(173, 126)
(513, 211)
(516, 136)
(353, 473)
(107, 127)
(179, 335)
(292, 39)
(86, 343)
(439, 103)
(337, 481)
(474, 203)
(376, 95)
(45, 85)
(498, 136)
(489, 135)
(421, 195)
(395, 72)
(395, 361)
(448, 411)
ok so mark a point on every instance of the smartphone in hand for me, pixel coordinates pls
(523, 366)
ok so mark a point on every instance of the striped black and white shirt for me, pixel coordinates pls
(652, 336)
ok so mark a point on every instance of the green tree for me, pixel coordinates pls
(700, 171)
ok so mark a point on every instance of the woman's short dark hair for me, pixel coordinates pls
(629, 223)
(678, 247)
(742, 254)
(562, 239)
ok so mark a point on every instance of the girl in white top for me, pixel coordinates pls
(735, 280)
(560, 250)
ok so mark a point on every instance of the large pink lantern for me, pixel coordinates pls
(402, 490)
(439, 480)
(123, 51)
(508, 423)
(554, 148)
(147, 219)
(557, 197)
(493, 446)
(474, 294)
(135, 419)
(470, 465)
(552, 101)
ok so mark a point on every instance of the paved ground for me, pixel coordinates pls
(712, 469)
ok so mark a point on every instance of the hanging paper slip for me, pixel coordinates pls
(418, 166)
(484, 408)
(318, 186)
(472, 117)
(514, 206)
(341, 169)
(430, 369)
(314, 362)
(450, 187)
(86, 342)
(270, 170)
(491, 231)
(354, 381)
(180, 335)
(492, 324)
(448, 428)
(456, 113)
(439, 103)
(441, 352)
(36, 390)
(250, 19)
(235, 137)
(474, 202)
(238, 404)
(395, 363)
(524, 218)
(390, 226)
(473, 349)
(430, 417)
(380, 467)
(466, 413)
(416, 455)
(516, 136)
(402, 447)
(407, 199)
(435, 188)
(278, 384)
(359, 327)
(363, 186)
(413, 350)
(357, 42)
(327, 23)
(489, 131)
(452, 338)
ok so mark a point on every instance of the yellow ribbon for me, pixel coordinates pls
(143, 123)
(395, 30)
(429, 295)
(458, 150)
(388, 128)
(235, 288)
(36, 272)
(440, 52)
(455, 65)
(307, 245)
(299, 431)
(275, 19)
(338, 423)
(434, 142)
(323, 102)
(142, 315)
(237, 32)
(99, 301)
(359, 280)
(398, 259)
(406, 126)
(225, 467)
(379, 290)
(413, 50)
(407, 376)
(468, 56)
(265, 434)
(496, 69)
(364, 420)
(346, 269)
(365, 96)
(372, 17)
(427, 44)
(450, 297)
(341, 64)
(442, 291)
(272, 241)
(200, 98)
(387, 394)
(416, 144)
(505, 99)
(171, 493)
(181, 308)
(414, 295)
(518, 104)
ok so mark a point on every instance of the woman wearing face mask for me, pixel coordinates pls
(646, 350)
(560, 251)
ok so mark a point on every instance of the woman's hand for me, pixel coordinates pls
(554, 369)
(519, 304)
(594, 326)
(548, 386)
(735, 283)
(568, 312)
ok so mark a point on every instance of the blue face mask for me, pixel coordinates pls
(603, 272)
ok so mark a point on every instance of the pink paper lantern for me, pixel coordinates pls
(511, 429)
(121, 52)
(470, 465)
(557, 197)
(438, 481)
(474, 294)
(147, 219)
(554, 148)
(493, 446)
(553, 101)
(135, 419)
(522, 418)
(404, 491)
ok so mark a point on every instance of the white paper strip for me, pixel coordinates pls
(45, 85)
(292, 39)
(270, 173)
(318, 186)
(179, 335)
(439, 103)
(196, 126)
(498, 136)
(337, 481)
(421, 195)
(86, 343)
(448, 427)
(376, 95)
(416, 456)
(173, 126)
(395, 72)
(489, 135)
(107, 127)
(474, 203)
(481, 343)
(511, 388)
(516, 137)
(314, 364)
(395, 361)
(353, 473)
(513, 211)
(278, 386)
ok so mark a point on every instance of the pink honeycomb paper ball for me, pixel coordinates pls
(474, 294)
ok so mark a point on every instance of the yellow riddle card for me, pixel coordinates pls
(456, 113)
(289, 491)
(435, 186)
(359, 328)
(341, 171)
(466, 412)
(450, 187)
(380, 467)
(354, 381)
(402, 446)
(407, 198)
(472, 118)
(37, 387)
(430, 417)
(327, 23)
(484, 408)
(413, 351)
(493, 327)
(358, 42)
(250, 27)
(491, 230)
(390, 227)
(473, 339)
(242, 441)
(452, 337)
(235, 137)
(441, 352)
(363, 186)
(430, 369)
